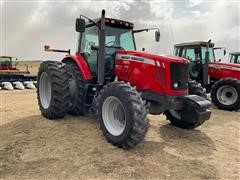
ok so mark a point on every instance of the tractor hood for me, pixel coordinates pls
(137, 55)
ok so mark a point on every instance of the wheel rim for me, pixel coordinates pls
(175, 114)
(114, 115)
(227, 95)
(45, 90)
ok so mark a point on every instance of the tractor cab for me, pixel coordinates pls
(234, 57)
(99, 39)
(199, 54)
(118, 35)
(6, 62)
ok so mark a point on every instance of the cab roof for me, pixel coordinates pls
(113, 23)
(235, 53)
(194, 43)
(5, 56)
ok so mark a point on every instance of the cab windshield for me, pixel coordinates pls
(115, 38)
(211, 53)
(190, 53)
(5, 61)
(235, 58)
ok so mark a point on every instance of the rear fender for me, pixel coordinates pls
(81, 63)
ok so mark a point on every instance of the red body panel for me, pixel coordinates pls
(219, 70)
(8, 68)
(82, 65)
(152, 74)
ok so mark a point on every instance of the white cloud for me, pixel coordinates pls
(194, 3)
(28, 26)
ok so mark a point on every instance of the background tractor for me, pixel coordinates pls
(11, 77)
(107, 76)
(234, 57)
(219, 78)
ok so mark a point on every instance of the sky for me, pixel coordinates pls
(26, 26)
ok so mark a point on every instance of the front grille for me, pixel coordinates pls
(179, 76)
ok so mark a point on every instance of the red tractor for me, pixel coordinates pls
(107, 76)
(221, 79)
(235, 57)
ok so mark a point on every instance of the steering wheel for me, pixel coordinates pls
(113, 43)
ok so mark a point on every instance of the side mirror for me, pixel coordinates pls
(80, 25)
(224, 52)
(157, 36)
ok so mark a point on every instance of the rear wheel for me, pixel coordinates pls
(225, 94)
(122, 115)
(53, 90)
(76, 83)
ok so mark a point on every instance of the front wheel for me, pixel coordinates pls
(225, 94)
(196, 89)
(122, 115)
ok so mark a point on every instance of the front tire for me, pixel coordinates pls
(195, 88)
(53, 90)
(122, 115)
(225, 94)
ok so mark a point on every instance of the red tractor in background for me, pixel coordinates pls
(234, 57)
(107, 76)
(219, 78)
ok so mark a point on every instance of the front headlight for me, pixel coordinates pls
(175, 85)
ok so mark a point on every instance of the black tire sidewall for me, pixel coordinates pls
(45, 69)
(122, 97)
(230, 82)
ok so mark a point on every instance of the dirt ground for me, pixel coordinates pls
(74, 148)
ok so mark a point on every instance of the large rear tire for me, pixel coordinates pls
(122, 115)
(76, 83)
(225, 94)
(53, 90)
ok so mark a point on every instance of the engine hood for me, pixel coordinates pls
(155, 57)
(224, 64)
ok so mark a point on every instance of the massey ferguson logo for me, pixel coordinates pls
(133, 58)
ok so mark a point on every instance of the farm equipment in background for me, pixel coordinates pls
(107, 76)
(234, 57)
(12, 78)
(219, 78)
